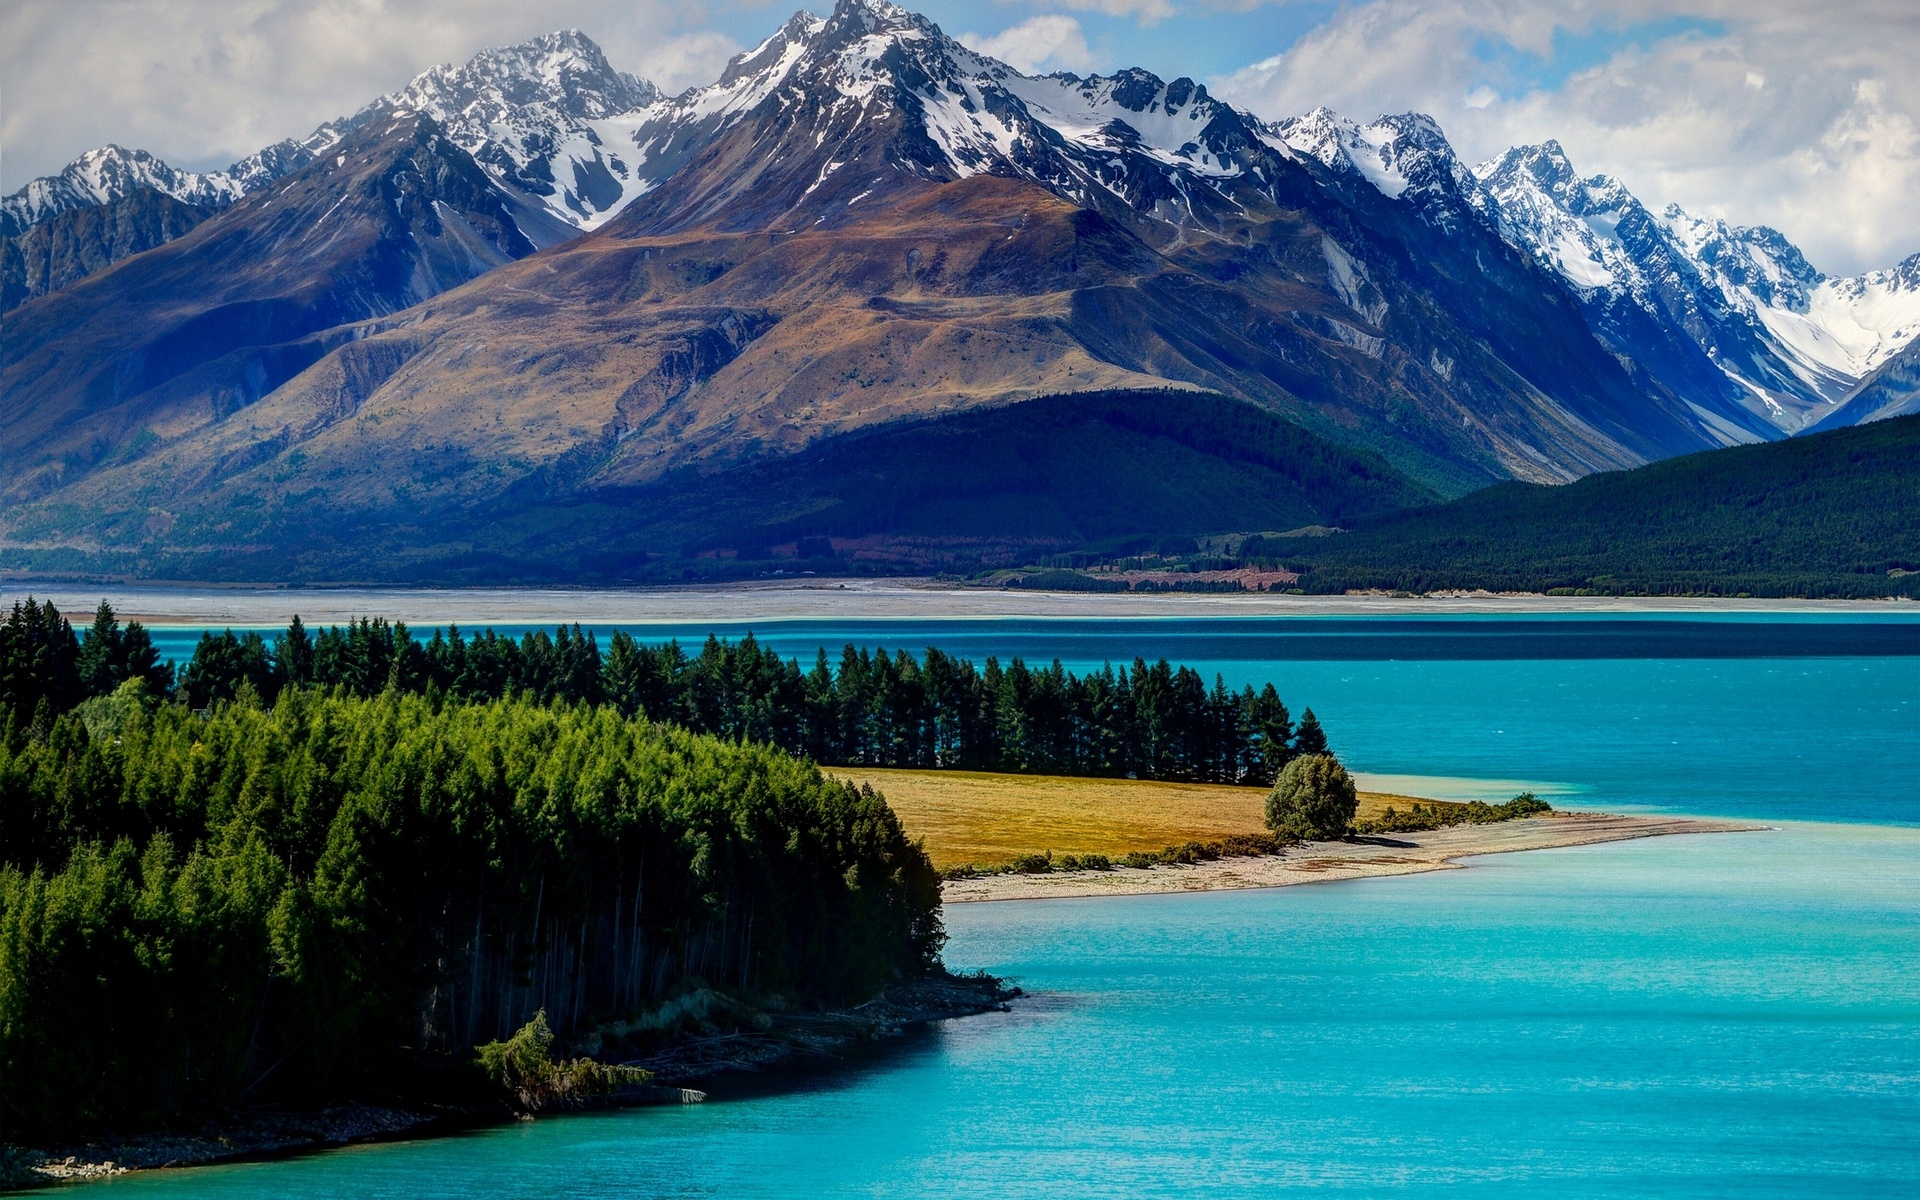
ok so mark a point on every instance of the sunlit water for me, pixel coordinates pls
(1724, 1015)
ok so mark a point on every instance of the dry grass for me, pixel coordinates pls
(977, 817)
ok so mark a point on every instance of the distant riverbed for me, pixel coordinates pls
(830, 599)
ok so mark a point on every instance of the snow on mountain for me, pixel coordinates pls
(1794, 340)
(1405, 157)
(286, 156)
(103, 176)
(529, 114)
(1130, 138)
(1731, 318)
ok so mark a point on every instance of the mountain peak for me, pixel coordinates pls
(876, 16)
(103, 175)
(1404, 156)
(1546, 164)
(564, 71)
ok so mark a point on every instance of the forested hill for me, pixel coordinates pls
(1833, 514)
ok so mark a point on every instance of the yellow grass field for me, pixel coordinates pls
(977, 817)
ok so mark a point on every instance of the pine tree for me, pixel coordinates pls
(623, 674)
(1272, 727)
(293, 654)
(140, 659)
(1310, 738)
(39, 660)
(103, 655)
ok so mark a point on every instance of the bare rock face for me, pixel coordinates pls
(74, 244)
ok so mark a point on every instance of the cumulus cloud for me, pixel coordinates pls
(1045, 43)
(202, 83)
(1759, 111)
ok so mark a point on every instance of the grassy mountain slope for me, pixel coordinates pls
(984, 485)
(1833, 514)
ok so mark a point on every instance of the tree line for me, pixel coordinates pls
(873, 708)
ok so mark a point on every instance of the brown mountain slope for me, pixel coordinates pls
(172, 339)
(614, 360)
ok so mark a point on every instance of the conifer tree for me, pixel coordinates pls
(39, 660)
(103, 653)
(1310, 738)
(293, 654)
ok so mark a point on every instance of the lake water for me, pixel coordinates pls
(1724, 1015)
(1814, 718)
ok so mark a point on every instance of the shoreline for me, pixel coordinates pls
(789, 1041)
(1370, 856)
(903, 599)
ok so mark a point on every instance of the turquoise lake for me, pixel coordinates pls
(1718, 1015)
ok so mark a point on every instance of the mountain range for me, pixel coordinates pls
(529, 318)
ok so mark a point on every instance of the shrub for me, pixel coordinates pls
(1249, 845)
(523, 1066)
(1033, 864)
(1438, 814)
(1314, 798)
(1086, 862)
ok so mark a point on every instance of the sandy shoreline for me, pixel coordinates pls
(1320, 862)
(823, 599)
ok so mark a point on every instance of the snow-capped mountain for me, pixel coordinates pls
(863, 226)
(1405, 157)
(103, 176)
(1155, 147)
(1794, 340)
(528, 114)
(1733, 319)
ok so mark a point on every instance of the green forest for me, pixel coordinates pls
(295, 866)
(1828, 515)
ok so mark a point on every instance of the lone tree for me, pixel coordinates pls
(1314, 799)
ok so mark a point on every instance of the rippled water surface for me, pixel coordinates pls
(1724, 1015)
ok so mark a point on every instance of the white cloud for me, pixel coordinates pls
(1763, 112)
(690, 60)
(1045, 43)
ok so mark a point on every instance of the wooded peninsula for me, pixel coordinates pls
(356, 858)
